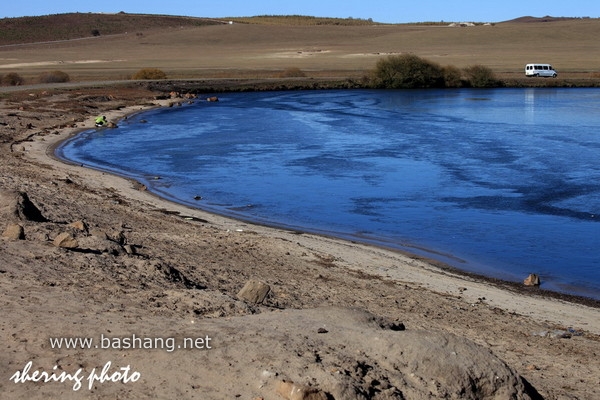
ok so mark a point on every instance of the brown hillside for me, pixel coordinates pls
(199, 50)
(547, 18)
(83, 25)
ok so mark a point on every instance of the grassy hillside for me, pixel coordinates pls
(266, 46)
(82, 25)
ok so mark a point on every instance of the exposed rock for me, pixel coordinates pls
(532, 280)
(254, 291)
(65, 240)
(212, 98)
(14, 232)
(79, 225)
(291, 391)
(24, 209)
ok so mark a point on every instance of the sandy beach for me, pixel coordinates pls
(98, 256)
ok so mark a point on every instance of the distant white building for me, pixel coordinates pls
(462, 24)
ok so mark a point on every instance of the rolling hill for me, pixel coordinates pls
(114, 46)
(81, 25)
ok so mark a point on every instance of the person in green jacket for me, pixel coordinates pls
(101, 120)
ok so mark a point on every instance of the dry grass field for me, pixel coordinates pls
(192, 51)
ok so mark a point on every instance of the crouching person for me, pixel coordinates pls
(101, 121)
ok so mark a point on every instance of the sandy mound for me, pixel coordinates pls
(351, 354)
(334, 353)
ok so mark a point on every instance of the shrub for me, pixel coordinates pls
(292, 72)
(149, 73)
(407, 71)
(54, 77)
(452, 76)
(12, 79)
(480, 76)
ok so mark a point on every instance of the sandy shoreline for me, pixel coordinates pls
(120, 115)
(444, 280)
(335, 269)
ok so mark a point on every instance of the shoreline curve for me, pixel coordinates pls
(429, 274)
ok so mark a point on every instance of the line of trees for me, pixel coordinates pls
(408, 71)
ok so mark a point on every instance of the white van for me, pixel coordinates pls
(544, 70)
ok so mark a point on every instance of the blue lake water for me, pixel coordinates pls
(501, 182)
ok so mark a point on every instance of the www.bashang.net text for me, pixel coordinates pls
(131, 342)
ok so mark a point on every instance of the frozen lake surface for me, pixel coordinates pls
(501, 182)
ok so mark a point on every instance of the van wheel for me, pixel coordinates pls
(554, 76)
(536, 75)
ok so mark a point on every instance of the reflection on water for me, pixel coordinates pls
(501, 182)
